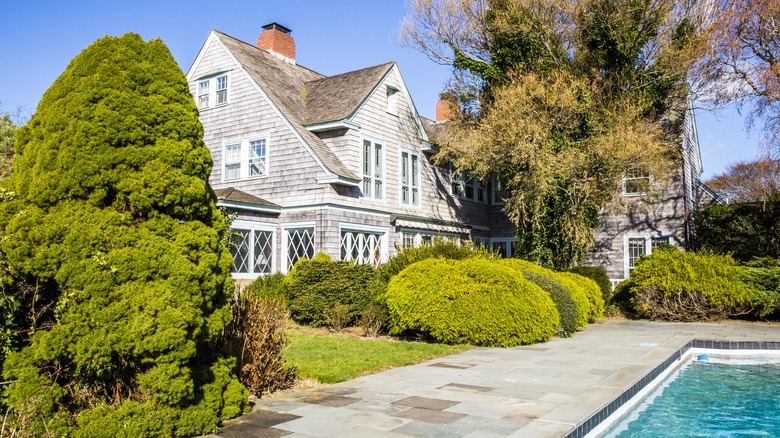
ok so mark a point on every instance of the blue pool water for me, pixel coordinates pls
(716, 399)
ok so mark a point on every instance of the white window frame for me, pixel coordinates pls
(506, 242)
(626, 180)
(359, 228)
(421, 237)
(212, 93)
(286, 228)
(648, 238)
(409, 170)
(459, 180)
(497, 188)
(245, 157)
(370, 168)
(255, 227)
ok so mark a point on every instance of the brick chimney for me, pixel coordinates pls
(276, 39)
(444, 108)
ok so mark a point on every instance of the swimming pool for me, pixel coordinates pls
(728, 396)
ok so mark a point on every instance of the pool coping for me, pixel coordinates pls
(592, 424)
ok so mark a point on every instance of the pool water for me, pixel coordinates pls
(716, 399)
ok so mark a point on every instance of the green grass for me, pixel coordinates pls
(331, 359)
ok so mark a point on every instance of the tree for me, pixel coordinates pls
(112, 243)
(561, 99)
(748, 181)
(743, 62)
(7, 130)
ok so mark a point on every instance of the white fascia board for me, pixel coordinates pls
(201, 53)
(250, 207)
(340, 180)
(277, 111)
(329, 126)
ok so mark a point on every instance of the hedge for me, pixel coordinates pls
(564, 303)
(438, 248)
(469, 301)
(597, 274)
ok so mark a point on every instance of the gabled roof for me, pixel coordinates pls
(283, 83)
(235, 195)
(338, 97)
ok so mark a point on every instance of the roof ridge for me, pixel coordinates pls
(388, 64)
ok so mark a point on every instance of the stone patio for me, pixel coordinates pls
(544, 390)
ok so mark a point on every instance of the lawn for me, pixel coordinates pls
(332, 358)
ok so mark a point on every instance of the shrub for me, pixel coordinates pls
(675, 286)
(337, 316)
(578, 294)
(256, 337)
(599, 275)
(589, 288)
(763, 275)
(268, 286)
(469, 301)
(314, 286)
(114, 218)
(371, 320)
(438, 248)
(567, 310)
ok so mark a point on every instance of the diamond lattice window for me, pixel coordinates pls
(363, 247)
(252, 251)
(300, 244)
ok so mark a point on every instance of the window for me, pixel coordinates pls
(300, 244)
(636, 181)
(373, 170)
(364, 247)
(504, 247)
(410, 178)
(245, 159)
(418, 238)
(212, 91)
(393, 98)
(466, 188)
(635, 246)
(252, 249)
(499, 191)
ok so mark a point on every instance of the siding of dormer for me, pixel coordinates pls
(398, 132)
(292, 170)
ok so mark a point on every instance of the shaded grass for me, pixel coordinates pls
(332, 359)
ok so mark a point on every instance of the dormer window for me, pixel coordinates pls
(212, 91)
(245, 159)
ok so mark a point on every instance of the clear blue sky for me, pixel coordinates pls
(40, 38)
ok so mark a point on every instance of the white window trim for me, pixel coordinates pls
(648, 237)
(360, 228)
(462, 181)
(285, 240)
(212, 80)
(418, 235)
(244, 159)
(625, 179)
(393, 99)
(374, 142)
(507, 241)
(256, 226)
(409, 205)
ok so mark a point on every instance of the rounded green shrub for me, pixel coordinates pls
(438, 248)
(567, 309)
(316, 286)
(469, 301)
(597, 274)
(685, 286)
(591, 290)
(578, 294)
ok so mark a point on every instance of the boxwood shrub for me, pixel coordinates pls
(318, 284)
(675, 286)
(591, 290)
(578, 294)
(564, 303)
(469, 301)
(438, 248)
(597, 274)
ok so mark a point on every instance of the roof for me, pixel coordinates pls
(234, 195)
(338, 97)
(283, 83)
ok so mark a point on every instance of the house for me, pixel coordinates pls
(345, 165)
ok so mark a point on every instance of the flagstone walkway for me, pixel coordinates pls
(544, 390)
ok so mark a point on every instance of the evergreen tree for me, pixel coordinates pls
(112, 244)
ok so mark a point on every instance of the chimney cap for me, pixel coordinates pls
(276, 26)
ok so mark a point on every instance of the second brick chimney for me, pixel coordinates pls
(276, 39)
(444, 109)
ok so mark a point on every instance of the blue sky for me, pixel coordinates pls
(40, 38)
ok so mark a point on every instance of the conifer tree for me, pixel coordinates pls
(112, 232)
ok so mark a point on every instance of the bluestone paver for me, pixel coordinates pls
(543, 390)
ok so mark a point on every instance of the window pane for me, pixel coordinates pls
(378, 161)
(240, 250)
(233, 153)
(222, 83)
(415, 171)
(203, 101)
(366, 157)
(203, 88)
(658, 241)
(233, 171)
(404, 168)
(300, 244)
(257, 158)
(263, 252)
(636, 249)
